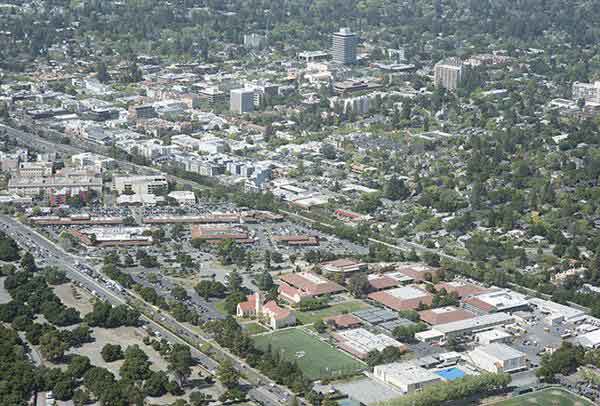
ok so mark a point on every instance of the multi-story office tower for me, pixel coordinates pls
(344, 47)
(242, 101)
(448, 73)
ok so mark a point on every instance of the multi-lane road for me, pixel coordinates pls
(262, 389)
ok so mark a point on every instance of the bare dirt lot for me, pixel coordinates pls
(73, 296)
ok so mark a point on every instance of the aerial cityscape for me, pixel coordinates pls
(300, 202)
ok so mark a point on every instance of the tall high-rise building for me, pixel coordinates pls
(448, 73)
(241, 101)
(344, 47)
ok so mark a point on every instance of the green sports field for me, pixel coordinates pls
(315, 358)
(550, 397)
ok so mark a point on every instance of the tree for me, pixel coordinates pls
(358, 285)
(111, 352)
(180, 363)
(228, 375)
(208, 288)
(78, 366)
(156, 384)
(102, 72)
(81, 397)
(179, 293)
(234, 281)
(200, 398)
(265, 281)
(320, 326)
(52, 346)
(232, 300)
(136, 367)
(28, 262)
(395, 189)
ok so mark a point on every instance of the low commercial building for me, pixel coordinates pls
(493, 336)
(296, 287)
(28, 186)
(498, 358)
(443, 315)
(344, 265)
(36, 169)
(403, 298)
(360, 342)
(297, 240)
(216, 234)
(418, 272)
(590, 340)
(470, 326)
(461, 289)
(504, 300)
(152, 185)
(343, 321)
(143, 199)
(112, 237)
(406, 376)
(183, 197)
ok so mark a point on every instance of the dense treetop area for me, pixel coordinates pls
(192, 27)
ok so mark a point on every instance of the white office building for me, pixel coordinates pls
(448, 74)
(344, 45)
(242, 101)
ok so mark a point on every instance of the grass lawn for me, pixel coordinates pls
(315, 358)
(550, 397)
(220, 306)
(253, 328)
(314, 315)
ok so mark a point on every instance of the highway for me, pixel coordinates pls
(263, 390)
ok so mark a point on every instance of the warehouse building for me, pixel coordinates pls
(498, 358)
(468, 326)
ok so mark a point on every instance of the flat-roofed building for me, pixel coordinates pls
(498, 358)
(443, 315)
(343, 265)
(504, 300)
(183, 197)
(150, 185)
(403, 298)
(462, 289)
(217, 233)
(360, 342)
(474, 325)
(242, 101)
(590, 340)
(343, 47)
(406, 376)
(419, 272)
(33, 186)
(493, 336)
(448, 74)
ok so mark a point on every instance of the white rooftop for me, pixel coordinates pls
(406, 293)
(503, 299)
(500, 351)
